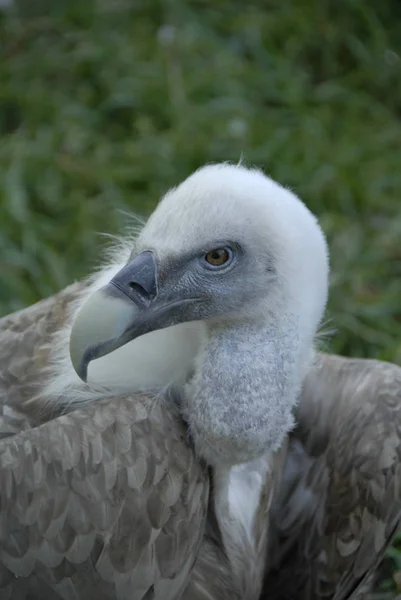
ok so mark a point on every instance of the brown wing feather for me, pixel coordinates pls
(25, 344)
(340, 503)
(105, 501)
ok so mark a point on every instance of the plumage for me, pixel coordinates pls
(339, 505)
(83, 493)
(176, 472)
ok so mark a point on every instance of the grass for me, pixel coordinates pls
(102, 110)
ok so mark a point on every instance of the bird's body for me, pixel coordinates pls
(176, 472)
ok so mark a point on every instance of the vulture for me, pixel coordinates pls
(168, 430)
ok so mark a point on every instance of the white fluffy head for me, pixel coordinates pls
(226, 202)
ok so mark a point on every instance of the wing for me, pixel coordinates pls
(25, 343)
(106, 501)
(340, 501)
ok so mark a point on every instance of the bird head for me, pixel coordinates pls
(228, 246)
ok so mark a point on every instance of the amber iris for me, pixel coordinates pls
(217, 257)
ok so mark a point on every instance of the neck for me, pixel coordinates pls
(239, 402)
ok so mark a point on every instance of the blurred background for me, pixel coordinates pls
(105, 104)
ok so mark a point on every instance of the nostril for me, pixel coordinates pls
(138, 288)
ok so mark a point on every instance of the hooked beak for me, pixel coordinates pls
(121, 311)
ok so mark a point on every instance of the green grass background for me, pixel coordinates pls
(106, 104)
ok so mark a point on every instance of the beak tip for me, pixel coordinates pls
(82, 373)
(80, 367)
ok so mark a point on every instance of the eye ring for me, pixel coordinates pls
(218, 257)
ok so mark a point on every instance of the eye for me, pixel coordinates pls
(218, 257)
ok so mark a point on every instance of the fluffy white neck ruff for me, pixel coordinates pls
(246, 382)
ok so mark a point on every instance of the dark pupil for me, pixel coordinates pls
(217, 257)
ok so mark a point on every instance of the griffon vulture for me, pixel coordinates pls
(195, 446)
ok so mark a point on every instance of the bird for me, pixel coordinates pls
(244, 263)
(168, 429)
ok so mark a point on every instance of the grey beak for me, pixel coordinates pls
(114, 315)
(129, 306)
